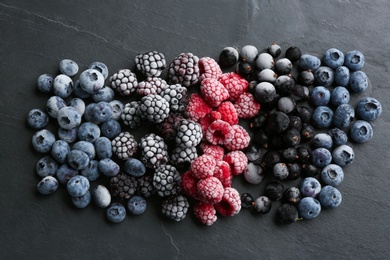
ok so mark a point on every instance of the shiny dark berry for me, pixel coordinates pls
(258, 121)
(228, 57)
(307, 132)
(309, 170)
(292, 195)
(246, 200)
(284, 84)
(253, 152)
(291, 137)
(287, 214)
(274, 190)
(304, 113)
(295, 123)
(278, 122)
(306, 77)
(276, 141)
(261, 138)
(289, 154)
(294, 171)
(262, 205)
(304, 154)
(270, 158)
(293, 53)
(252, 86)
(244, 69)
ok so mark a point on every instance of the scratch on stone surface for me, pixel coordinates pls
(55, 21)
(171, 240)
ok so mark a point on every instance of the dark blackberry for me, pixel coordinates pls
(167, 128)
(154, 108)
(184, 70)
(167, 180)
(123, 186)
(182, 156)
(130, 116)
(152, 85)
(176, 95)
(124, 82)
(145, 185)
(124, 145)
(153, 150)
(150, 63)
(188, 133)
(175, 208)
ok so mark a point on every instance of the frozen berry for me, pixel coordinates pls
(230, 204)
(215, 151)
(222, 172)
(205, 213)
(210, 190)
(246, 200)
(287, 214)
(246, 105)
(154, 108)
(150, 63)
(208, 68)
(213, 92)
(203, 166)
(219, 132)
(124, 82)
(136, 205)
(228, 112)
(274, 190)
(183, 156)
(124, 145)
(175, 207)
(237, 161)
(262, 205)
(228, 57)
(176, 95)
(188, 133)
(189, 183)
(234, 83)
(123, 186)
(240, 139)
(167, 180)
(154, 150)
(151, 85)
(184, 69)
(197, 107)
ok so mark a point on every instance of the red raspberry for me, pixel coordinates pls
(188, 183)
(240, 139)
(215, 115)
(213, 91)
(203, 166)
(205, 213)
(219, 132)
(204, 123)
(210, 190)
(223, 173)
(237, 161)
(234, 83)
(215, 151)
(228, 112)
(197, 107)
(230, 204)
(209, 68)
(246, 105)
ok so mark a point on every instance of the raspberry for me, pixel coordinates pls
(208, 68)
(234, 83)
(204, 123)
(175, 208)
(205, 213)
(237, 161)
(223, 173)
(213, 91)
(151, 63)
(230, 204)
(203, 166)
(219, 132)
(197, 107)
(183, 156)
(176, 95)
(246, 105)
(240, 139)
(188, 184)
(124, 145)
(167, 128)
(215, 151)
(154, 108)
(184, 70)
(188, 133)
(124, 82)
(210, 190)
(228, 112)
(152, 85)
(215, 115)
(130, 116)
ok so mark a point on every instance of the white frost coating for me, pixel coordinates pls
(101, 196)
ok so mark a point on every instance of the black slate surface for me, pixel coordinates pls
(36, 35)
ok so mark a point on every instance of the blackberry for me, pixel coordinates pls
(176, 95)
(124, 145)
(175, 208)
(167, 180)
(153, 150)
(145, 185)
(150, 63)
(152, 85)
(124, 82)
(154, 108)
(130, 116)
(182, 156)
(184, 69)
(123, 186)
(188, 133)
(167, 128)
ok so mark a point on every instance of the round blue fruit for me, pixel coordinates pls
(333, 58)
(361, 131)
(68, 135)
(309, 62)
(322, 140)
(369, 109)
(332, 174)
(79, 104)
(77, 186)
(321, 157)
(309, 208)
(136, 205)
(54, 104)
(47, 185)
(343, 116)
(116, 212)
(88, 131)
(358, 82)
(339, 137)
(45, 83)
(101, 196)
(91, 81)
(86, 147)
(101, 112)
(343, 155)
(99, 66)
(78, 159)
(103, 147)
(37, 118)
(110, 128)
(320, 96)
(65, 173)
(78, 91)
(62, 86)
(341, 76)
(108, 167)
(330, 197)
(46, 166)
(105, 94)
(340, 95)
(68, 117)
(43, 141)
(91, 172)
(60, 151)
(354, 60)
(322, 117)
(310, 187)
(117, 108)
(82, 201)
(134, 167)
(324, 76)
(69, 67)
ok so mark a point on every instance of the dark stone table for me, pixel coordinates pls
(36, 35)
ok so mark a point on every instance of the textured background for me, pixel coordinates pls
(36, 35)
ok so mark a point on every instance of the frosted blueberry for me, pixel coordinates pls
(321, 157)
(43, 141)
(88, 132)
(333, 58)
(309, 62)
(99, 66)
(54, 104)
(110, 128)
(60, 150)
(78, 91)
(332, 174)
(101, 196)
(116, 213)
(37, 118)
(358, 82)
(322, 117)
(361, 131)
(324, 76)
(78, 159)
(65, 173)
(369, 109)
(117, 108)
(354, 60)
(101, 112)
(320, 96)
(82, 201)
(343, 116)
(343, 155)
(322, 140)
(45, 83)
(47, 185)
(69, 67)
(310, 187)
(330, 197)
(136, 205)
(79, 104)
(108, 167)
(62, 86)
(340, 95)
(309, 208)
(46, 166)
(104, 94)
(91, 172)
(341, 76)
(91, 81)
(86, 147)
(68, 117)
(134, 167)
(103, 147)
(77, 186)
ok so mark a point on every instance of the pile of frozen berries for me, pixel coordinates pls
(300, 127)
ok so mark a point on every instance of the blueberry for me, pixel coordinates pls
(286, 104)
(69, 67)
(293, 53)
(262, 205)
(324, 76)
(292, 195)
(322, 117)
(280, 171)
(136, 205)
(117, 108)
(265, 92)
(343, 116)
(101, 196)
(369, 109)
(343, 155)
(108, 167)
(62, 86)
(246, 200)
(264, 61)
(333, 58)
(78, 91)
(116, 212)
(37, 118)
(283, 66)
(228, 57)
(60, 150)
(68, 117)
(43, 141)
(358, 82)
(254, 173)
(332, 174)
(88, 132)
(103, 147)
(322, 140)
(354, 60)
(77, 186)
(274, 190)
(361, 131)
(79, 104)
(306, 77)
(45, 83)
(82, 201)
(309, 208)
(330, 197)
(101, 112)
(65, 173)
(339, 137)
(341, 76)
(91, 172)
(86, 147)
(46, 166)
(91, 81)
(267, 75)
(134, 167)
(101, 67)
(47, 185)
(321, 157)
(287, 213)
(274, 50)
(340, 95)
(110, 128)
(78, 159)
(54, 104)
(320, 96)
(88, 112)
(309, 62)
(248, 53)
(310, 187)
(105, 94)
